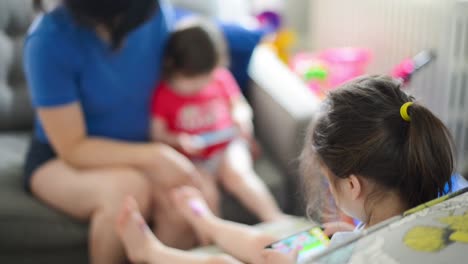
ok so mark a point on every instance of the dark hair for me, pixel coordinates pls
(120, 17)
(195, 47)
(37, 4)
(362, 132)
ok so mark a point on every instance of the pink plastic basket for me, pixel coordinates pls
(345, 64)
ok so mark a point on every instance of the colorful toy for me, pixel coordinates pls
(345, 64)
(408, 67)
(330, 68)
(283, 38)
(270, 19)
(283, 42)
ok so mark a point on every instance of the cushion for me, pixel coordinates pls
(25, 222)
(15, 109)
(16, 15)
(6, 58)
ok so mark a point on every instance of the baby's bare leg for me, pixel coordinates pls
(239, 178)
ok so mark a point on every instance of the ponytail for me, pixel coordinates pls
(429, 157)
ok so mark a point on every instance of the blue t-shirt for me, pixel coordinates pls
(66, 62)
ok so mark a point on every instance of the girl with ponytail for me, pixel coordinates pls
(381, 151)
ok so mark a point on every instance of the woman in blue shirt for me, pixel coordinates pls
(91, 67)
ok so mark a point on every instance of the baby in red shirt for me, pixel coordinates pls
(200, 111)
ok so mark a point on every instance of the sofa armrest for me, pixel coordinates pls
(283, 107)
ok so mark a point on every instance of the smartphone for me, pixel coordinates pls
(214, 138)
(312, 241)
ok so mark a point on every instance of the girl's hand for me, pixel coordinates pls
(271, 256)
(190, 144)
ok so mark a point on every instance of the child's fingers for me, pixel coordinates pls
(294, 255)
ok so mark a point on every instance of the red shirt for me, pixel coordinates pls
(209, 110)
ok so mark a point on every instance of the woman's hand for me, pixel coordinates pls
(271, 256)
(169, 169)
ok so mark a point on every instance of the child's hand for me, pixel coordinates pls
(190, 144)
(271, 256)
(245, 128)
(242, 116)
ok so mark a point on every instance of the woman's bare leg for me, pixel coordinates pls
(143, 247)
(95, 196)
(168, 225)
(240, 241)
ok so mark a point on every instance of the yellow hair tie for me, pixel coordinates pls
(404, 111)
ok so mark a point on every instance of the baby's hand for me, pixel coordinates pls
(190, 144)
(246, 132)
(245, 128)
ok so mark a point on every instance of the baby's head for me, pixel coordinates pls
(368, 151)
(194, 50)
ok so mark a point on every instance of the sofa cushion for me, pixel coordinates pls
(15, 108)
(26, 223)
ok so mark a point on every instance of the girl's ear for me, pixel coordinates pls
(354, 186)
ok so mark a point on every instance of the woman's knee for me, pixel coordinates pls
(126, 182)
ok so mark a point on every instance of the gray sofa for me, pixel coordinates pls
(31, 232)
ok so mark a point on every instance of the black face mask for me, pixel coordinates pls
(119, 16)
